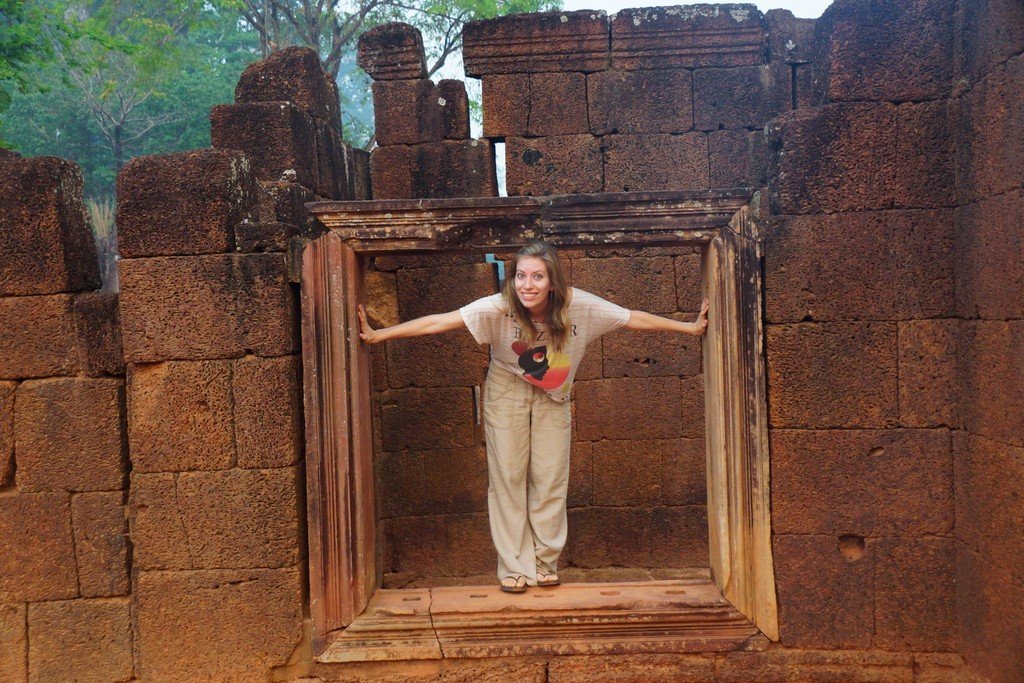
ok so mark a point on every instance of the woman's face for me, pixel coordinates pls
(533, 286)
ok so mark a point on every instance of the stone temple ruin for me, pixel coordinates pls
(205, 477)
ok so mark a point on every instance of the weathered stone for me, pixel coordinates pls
(424, 419)
(407, 112)
(440, 546)
(44, 232)
(159, 538)
(423, 291)
(784, 664)
(989, 249)
(986, 35)
(744, 97)
(180, 416)
(101, 548)
(679, 537)
(217, 306)
(895, 482)
(392, 51)
(832, 375)
(927, 373)
(558, 104)
(402, 484)
(651, 668)
(506, 104)
(43, 569)
(839, 157)
(940, 667)
(689, 37)
(80, 640)
(656, 101)
(14, 643)
(456, 480)
(645, 354)
(914, 594)
(7, 464)
(991, 359)
(381, 298)
(97, 318)
(449, 168)
(790, 40)
(825, 591)
(634, 163)
(454, 108)
(925, 174)
(581, 474)
(283, 202)
(252, 237)
(561, 164)
(183, 203)
(70, 435)
(684, 480)
(636, 283)
(230, 622)
(691, 389)
(628, 408)
(888, 52)
(267, 401)
(294, 75)
(873, 265)
(689, 285)
(449, 360)
(737, 158)
(602, 537)
(537, 42)
(629, 473)
(990, 611)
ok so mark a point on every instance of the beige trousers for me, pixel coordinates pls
(528, 438)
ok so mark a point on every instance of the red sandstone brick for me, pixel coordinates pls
(989, 248)
(925, 175)
(914, 594)
(590, 366)
(37, 556)
(635, 163)
(691, 389)
(990, 615)
(82, 640)
(790, 40)
(743, 97)
(7, 464)
(381, 298)
(180, 416)
(782, 665)
(423, 291)
(441, 546)
(646, 354)
(562, 164)
(506, 104)
(869, 265)
(839, 157)
(45, 235)
(217, 306)
(424, 419)
(455, 108)
(97, 319)
(807, 95)
(737, 158)
(602, 537)
(988, 33)
(392, 51)
(628, 409)
(895, 482)
(927, 373)
(100, 544)
(294, 75)
(650, 668)
(657, 101)
(456, 480)
(334, 162)
(689, 285)
(536, 42)
(646, 284)
(940, 667)
(70, 435)
(449, 168)
(991, 360)
(680, 537)
(832, 375)
(230, 622)
(684, 479)
(14, 643)
(267, 401)
(449, 360)
(402, 484)
(558, 104)
(629, 473)
(283, 202)
(159, 539)
(825, 599)
(581, 474)
(183, 203)
(407, 112)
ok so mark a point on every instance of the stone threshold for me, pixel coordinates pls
(571, 619)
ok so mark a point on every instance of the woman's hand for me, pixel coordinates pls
(702, 318)
(366, 333)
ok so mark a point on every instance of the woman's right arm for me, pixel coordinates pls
(428, 324)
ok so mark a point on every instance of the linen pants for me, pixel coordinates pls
(528, 439)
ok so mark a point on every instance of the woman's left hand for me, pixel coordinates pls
(702, 318)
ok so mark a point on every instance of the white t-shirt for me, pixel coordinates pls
(490, 322)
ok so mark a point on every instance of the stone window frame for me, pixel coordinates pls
(343, 562)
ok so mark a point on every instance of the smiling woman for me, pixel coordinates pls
(538, 329)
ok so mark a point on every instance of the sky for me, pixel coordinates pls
(809, 9)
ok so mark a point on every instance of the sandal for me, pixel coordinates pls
(518, 587)
(548, 579)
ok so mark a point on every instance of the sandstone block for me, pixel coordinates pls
(231, 622)
(392, 51)
(832, 375)
(283, 202)
(381, 298)
(652, 668)
(634, 163)
(645, 283)
(989, 249)
(590, 366)
(441, 546)
(869, 265)
(894, 482)
(825, 591)
(927, 373)
(436, 361)
(737, 158)
(839, 157)
(14, 643)
(70, 435)
(581, 474)
(988, 34)
(990, 611)
(97, 319)
(402, 484)
(425, 419)
(558, 104)
(991, 358)
(655, 101)
(45, 235)
(915, 594)
(44, 568)
(689, 37)
(790, 40)
(684, 479)
(456, 480)
(100, 545)
(218, 306)
(680, 537)
(7, 464)
(81, 640)
(252, 237)
(940, 667)
(645, 354)
(603, 537)
(407, 112)
(183, 203)
(691, 390)
(743, 97)
(629, 473)
(159, 538)
(925, 175)
(454, 108)
(423, 291)
(506, 104)
(628, 408)
(449, 168)
(294, 75)
(562, 164)
(779, 665)
(267, 399)
(689, 287)
(537, 42)
(180, 416)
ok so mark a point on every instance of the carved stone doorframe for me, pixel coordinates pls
(344, 572)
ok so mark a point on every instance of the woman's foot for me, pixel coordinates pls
(514, 584)
(547, 579)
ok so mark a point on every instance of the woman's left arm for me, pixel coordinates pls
(639, 320)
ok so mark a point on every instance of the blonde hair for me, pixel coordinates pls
(557, 313)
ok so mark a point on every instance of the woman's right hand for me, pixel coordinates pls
(366, 333)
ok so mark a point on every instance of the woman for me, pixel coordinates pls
(538, 329)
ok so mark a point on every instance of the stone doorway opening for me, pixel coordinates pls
(353, 610)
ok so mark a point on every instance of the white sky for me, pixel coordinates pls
(810, 9)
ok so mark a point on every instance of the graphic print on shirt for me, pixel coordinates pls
(548, 369)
